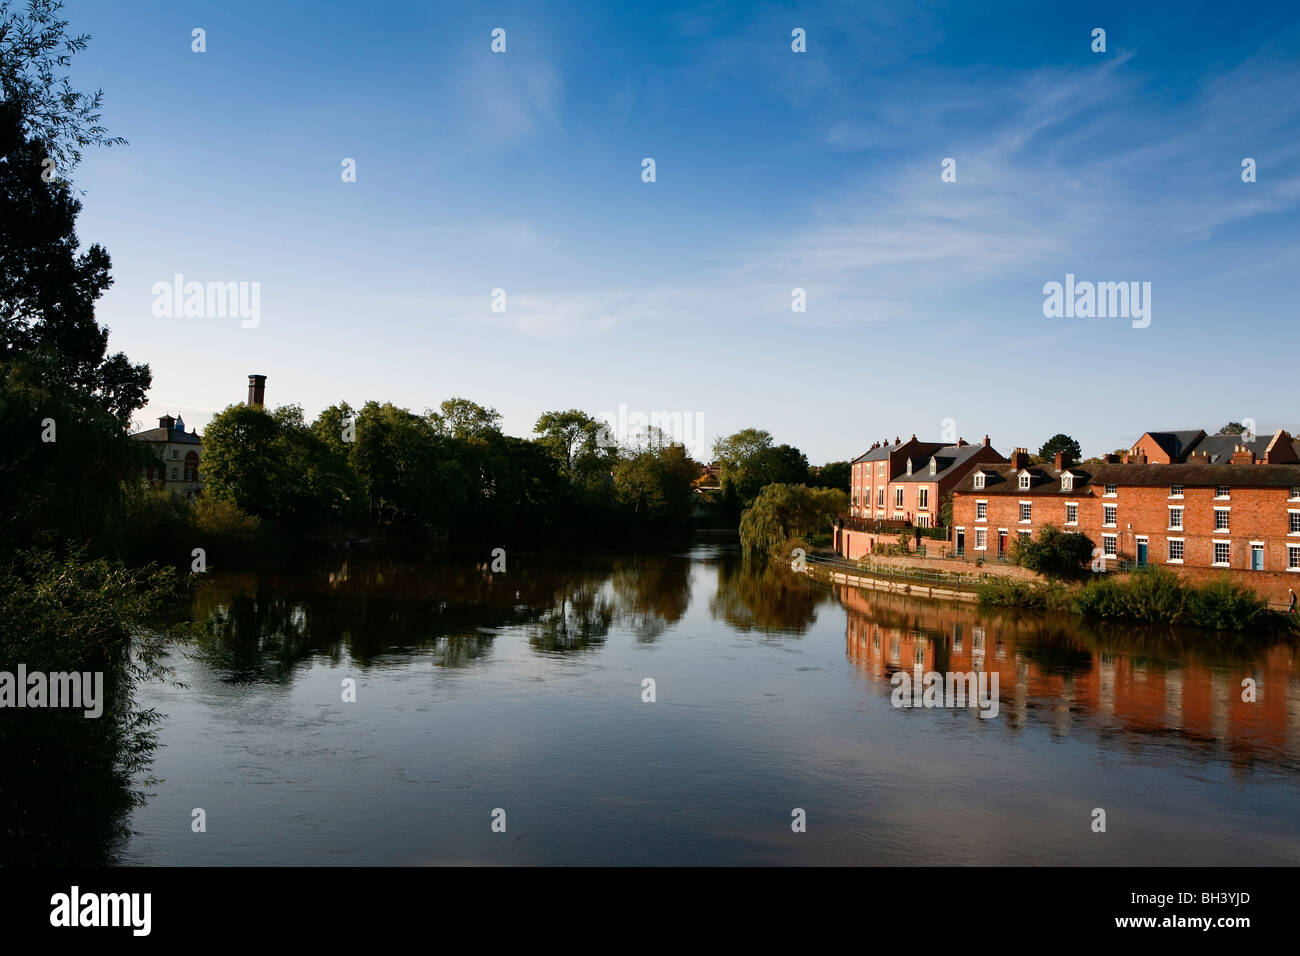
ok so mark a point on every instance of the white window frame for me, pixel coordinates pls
(1290, 513)
(1227, 529)
(981, 535)
(1222, 497)
(1111, 541)
(934, 466)
(898, 497)
(1176, 527)
(1067, 482)
(1115, 516)
(923, 498)
(979, 480)
(1075, 506)
(981, 504)
(1026, 482)
(1183, 550)
(1250, 565)
(1214, 553)
(1030, 519)
(1176, 495)
(1109, 493)
(1294, 494)
(1293, 558)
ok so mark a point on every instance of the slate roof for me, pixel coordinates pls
(176, 435)
(946, 459)
(1221, 447)
(1043, 480)
(1177, 444)
(1003, 480)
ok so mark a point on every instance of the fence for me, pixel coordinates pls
(947, 580)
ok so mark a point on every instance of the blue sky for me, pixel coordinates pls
(775, 170)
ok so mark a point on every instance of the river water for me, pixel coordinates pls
(502, 718)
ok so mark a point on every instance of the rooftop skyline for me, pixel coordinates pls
(774, 171)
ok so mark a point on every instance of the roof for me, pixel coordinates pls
(176, 435)
(946, 459)
(1002, 480)
(1220, 447)
(1176, 444)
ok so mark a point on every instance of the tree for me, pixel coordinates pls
(578, 442)
(1057, 443)
(784, 512)
(35, 50)
(834, 474)
(1056, 554)
(461, 418)
(738, 454)
(1232, 428)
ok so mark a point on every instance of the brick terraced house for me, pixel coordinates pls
(1241, 514)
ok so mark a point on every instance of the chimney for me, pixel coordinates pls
(1241, 455)
(961, 443)
(1138, 459)
(1020, 458)
(167, 422)
(896, 441)
(256, 389)
(986, 441)
(1062, 461)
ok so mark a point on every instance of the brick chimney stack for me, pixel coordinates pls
(1020, 458)
(256, 389)
(986, 441)
(1241, 455)
(1062, 460)
(961, 443)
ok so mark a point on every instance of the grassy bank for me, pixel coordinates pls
(1156, 596)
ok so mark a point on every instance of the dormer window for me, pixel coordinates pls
(909, 466)
(934, 466)
(1067, 482)
(1024, 481)
(979, 479)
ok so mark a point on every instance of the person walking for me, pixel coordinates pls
(1291, 609)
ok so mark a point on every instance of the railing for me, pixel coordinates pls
(893, 526)
(936, 578)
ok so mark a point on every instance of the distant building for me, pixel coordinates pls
(179, 453)
(1198, 448)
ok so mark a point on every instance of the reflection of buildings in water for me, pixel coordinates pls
(1047, 668)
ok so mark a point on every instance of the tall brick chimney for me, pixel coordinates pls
(961, 443)
(1062, 460)
(1020, 458)
(256, 389)
(986, 441)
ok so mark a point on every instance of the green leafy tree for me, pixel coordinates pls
(835, 474)
(1232, 428)
(461, 418)
(782, 513)
(1060, 442)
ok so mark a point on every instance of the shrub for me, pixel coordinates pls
(1056, 554)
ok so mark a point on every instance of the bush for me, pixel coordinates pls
(1160, 596)
(1056, 554)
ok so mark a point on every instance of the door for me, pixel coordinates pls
(961, 541)
(1142, 552)
(1257, 557)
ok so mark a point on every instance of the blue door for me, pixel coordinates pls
(1257, 557)
(1142, 554)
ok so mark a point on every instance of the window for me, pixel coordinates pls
(175, 472)
(1109, 515)
(923, 521)
(1026, 511)
(1175, 550)
(1175, 491)
(192, 467)
(1067, 482)
(880, 498)
(979, 479)
(1024, 482)
(1175, 519)
(934, 466)
(909, 466)
(176, 453)
(1223, 491)
(981, 510)
(1072, 514)
(880, 469)
(1295, 493)
(1221, 516)
(1108, 545)
(898, 497)
(1222, 552)
(1293, 557)
(1112, 490)
(1294, 518)
(1023, 535)
(923, 497)
(981, 539)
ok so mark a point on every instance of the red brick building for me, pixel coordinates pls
(1239, 515)
(906, 481)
